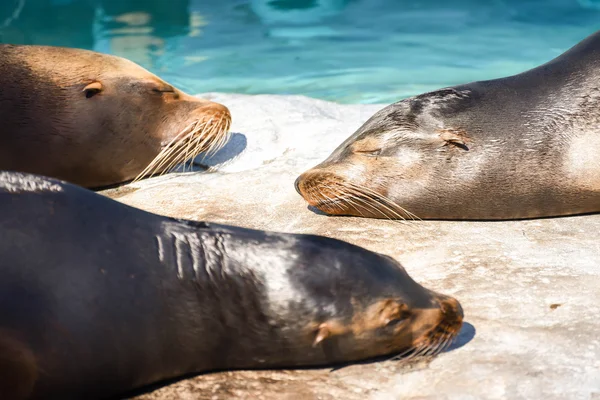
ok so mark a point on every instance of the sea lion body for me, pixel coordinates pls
(94, 119)
(98, 298)
(523, 146)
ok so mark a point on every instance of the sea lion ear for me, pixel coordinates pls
(327, 330)
(454, 137)
(92, 89)
(322, 333)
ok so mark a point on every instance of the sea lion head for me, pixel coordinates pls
(390, 165)
(105, 119)
(328, 301)
(369, 306)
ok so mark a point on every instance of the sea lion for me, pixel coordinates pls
(524, 146)
(97, 297)
(97, 120)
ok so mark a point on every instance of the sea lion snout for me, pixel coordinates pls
(204, 128)
(452, 311)
(207, 107)
(307, 183)
(326, 191)
(302, 185)
(214, 116)
(297, 185)
(436, 328)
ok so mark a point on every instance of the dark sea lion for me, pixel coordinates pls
(97, 298)
(523, 146)
(97, 120)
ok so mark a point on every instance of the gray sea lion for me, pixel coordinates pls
(523, 146)
(98, 298)
(95, 119)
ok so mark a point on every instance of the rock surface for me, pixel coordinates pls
(530, 289)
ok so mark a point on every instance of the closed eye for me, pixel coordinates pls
(165, 89)
(394, 322)
(371, 153)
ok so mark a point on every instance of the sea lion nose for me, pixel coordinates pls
(451, 309)
(297, 184)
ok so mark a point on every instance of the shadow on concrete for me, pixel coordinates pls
(234, 147)
(466, 334)
(236, 144)
(316, 210)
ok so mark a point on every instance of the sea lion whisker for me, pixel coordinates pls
(171, 155)
(376, 206)
(221, 136)
(177, 159)
(186, 152)
(414, 354)
(212, 141)
(192, 142)
(326, 194)
(451, 338)
(435, 347)
(371, 207)
(189, 146)
(333, 202)
(374, 198)
(164, 154)
(385, 199)
(218, 135)
(219, 139)
(394, 217)
(419, 354)
(346, 198)
(350, 200)
(443, 341)
(196, 144)
(340, 197)
(226, 132)
(346, 193)
(193, 145)
(426, 351)
(410, 217)
(166, 160)
(447, 341)
(195, 135)
(403, 354)
(318, 197)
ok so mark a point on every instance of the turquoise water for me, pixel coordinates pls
(349, 51)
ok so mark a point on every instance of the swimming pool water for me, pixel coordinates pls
(348, 51)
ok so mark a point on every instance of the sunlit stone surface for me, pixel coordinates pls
(530, 289)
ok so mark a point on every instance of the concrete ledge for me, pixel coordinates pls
(530, 289)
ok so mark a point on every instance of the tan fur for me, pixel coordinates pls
(95, 119)
(412, 328)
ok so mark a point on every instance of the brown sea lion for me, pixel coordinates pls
(98, 298)
(96, 120)
(523, 146)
